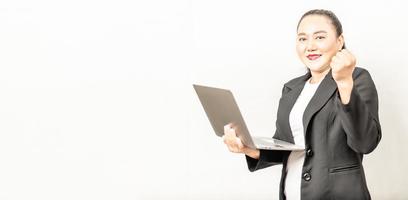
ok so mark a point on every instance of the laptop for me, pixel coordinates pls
(221, 109)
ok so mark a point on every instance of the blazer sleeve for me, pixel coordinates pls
(359, 118)
(268, 158)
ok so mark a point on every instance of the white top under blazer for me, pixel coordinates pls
(296, 158)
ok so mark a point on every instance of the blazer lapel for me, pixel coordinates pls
(323, 93)
(287, 103)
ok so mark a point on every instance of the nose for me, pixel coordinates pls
(311, 45)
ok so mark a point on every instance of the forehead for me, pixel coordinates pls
(313, 23)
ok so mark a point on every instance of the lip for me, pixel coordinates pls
(313, 56)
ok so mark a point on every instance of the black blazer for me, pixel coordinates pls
(336, 137)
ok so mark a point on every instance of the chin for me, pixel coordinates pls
(317, 67)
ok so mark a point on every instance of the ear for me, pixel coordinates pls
(340, 42)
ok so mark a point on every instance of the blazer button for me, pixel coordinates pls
(307, 176)
(309, 152)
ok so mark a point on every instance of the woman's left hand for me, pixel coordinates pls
(343, 64)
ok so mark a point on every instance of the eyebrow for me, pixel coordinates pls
(313, 33)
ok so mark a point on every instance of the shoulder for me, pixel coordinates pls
(358, 71)
(361, 75)
(296, 81)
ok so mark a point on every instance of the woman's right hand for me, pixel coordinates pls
(235, 144)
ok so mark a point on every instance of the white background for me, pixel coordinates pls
(96, 99)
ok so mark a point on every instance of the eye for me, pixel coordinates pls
(320, 37)
(302, 39)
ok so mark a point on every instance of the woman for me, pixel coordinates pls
(332, 111)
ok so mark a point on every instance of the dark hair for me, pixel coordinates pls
(329, 14)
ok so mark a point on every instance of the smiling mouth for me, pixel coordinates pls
(313, 56)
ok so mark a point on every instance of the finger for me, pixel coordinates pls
(335, 62)
(232, 149)
(226, 128)
(350, 56)
(347, 59)
(237, 149)
(232, 143)
(345, 51)
(230, 140)
(229, 126)
(224, 139)
(239, 143)
(227, 131)
(231, 133)
(340, 55)
(232, 128)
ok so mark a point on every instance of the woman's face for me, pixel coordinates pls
(317, 42)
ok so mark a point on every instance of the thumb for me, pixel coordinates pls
(239, 143)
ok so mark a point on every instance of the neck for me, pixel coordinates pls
(317, 76)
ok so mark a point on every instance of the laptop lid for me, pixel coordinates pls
(222, 109)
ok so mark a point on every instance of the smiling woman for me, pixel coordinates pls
(332, 111)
